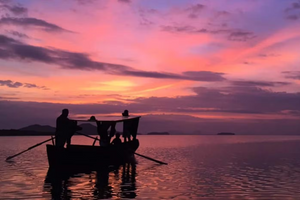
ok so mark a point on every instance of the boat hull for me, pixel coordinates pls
(90, 157)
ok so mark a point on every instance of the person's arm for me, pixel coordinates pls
(113, 142)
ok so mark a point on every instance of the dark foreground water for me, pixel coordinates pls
(200, 167)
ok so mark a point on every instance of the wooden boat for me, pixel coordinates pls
(92, 157)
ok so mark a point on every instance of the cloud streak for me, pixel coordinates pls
(247, 99)
(258, 83)
(189, 75)
(32, 22)
(13, 49)
(17, 34)
(16, 9)
(242, 99)
(195, 10)
(232, 34)
(12, 84)
(292, 74)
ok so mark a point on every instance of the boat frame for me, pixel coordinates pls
(93, 157)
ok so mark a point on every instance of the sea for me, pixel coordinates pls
(199, 167)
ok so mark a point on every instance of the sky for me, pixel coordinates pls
(186, 66)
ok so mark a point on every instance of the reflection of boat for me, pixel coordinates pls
(91, 157)
(106, 182)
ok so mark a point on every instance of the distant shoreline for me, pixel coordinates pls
(13, 132)
(16, 132)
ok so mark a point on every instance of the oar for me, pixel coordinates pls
(10, 157)
(160, 162)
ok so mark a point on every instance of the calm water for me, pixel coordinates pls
(200, 167)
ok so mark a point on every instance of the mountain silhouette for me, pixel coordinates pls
(87, 128)
(39, 128)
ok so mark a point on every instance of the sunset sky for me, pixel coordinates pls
(208, 65)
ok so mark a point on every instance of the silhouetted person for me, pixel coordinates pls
(65, 129)
(125, 113)
(62, 127)
(102, 129)
(117, 140)
(130, 127)
(126, 125)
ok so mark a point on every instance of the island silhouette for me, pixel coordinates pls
(226, 133)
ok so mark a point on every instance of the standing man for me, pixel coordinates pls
(126, 126)
(65, 129)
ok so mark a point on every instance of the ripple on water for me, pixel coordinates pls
(199, 167)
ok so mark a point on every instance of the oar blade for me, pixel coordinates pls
(10, 157)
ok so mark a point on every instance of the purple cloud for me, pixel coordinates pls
(16, 9)
(124, 1)
(205, 75)
(292, 74)
(32, 22)
(85, 2)
(17, 34)
(189, 75)
(195, 10)
(14, 49)
(12, 84)
(241, 36)
(293, 11)
(258, 83)
(293, 7)
(232, 34)
(225, 101)
(242, 99)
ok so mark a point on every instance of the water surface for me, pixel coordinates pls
(200, 167)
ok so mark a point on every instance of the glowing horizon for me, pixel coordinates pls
(192, 53)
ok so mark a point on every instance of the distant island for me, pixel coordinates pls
(158, 133)
(225, 133)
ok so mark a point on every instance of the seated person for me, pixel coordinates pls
(117, 140)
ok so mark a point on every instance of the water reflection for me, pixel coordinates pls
(128, 186)
(107, 182)
(268, 169)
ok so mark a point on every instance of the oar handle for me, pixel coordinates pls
(40, 143)
(10, 157)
